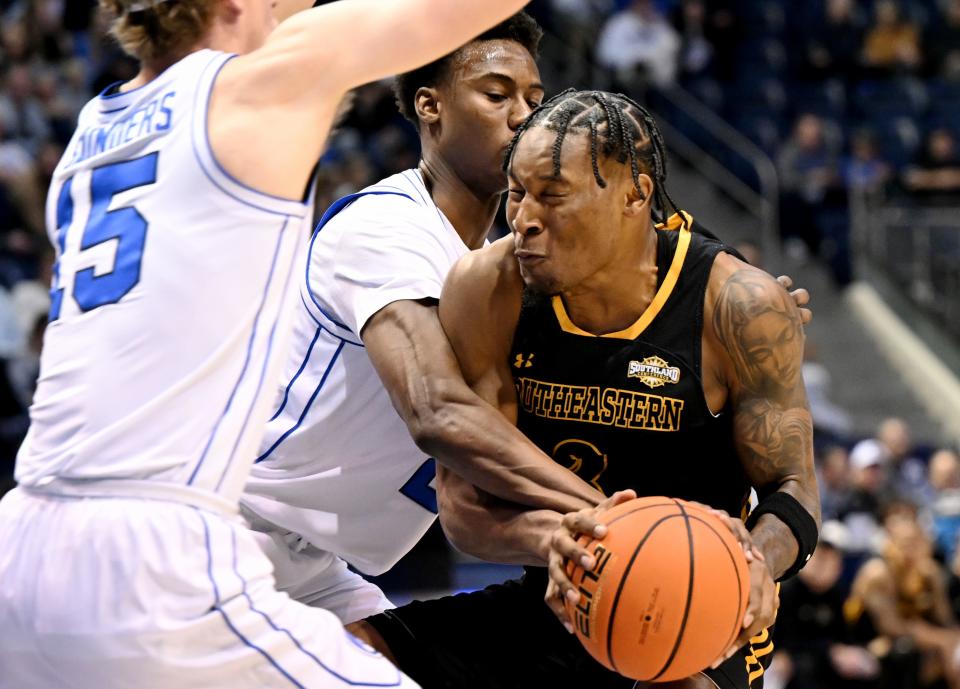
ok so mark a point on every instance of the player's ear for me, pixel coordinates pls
(638, 200)
(427, 104)
(231, 9)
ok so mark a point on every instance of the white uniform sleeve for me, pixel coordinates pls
(384, 249)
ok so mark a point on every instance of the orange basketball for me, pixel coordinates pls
(668, 593)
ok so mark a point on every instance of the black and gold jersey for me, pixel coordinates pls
(627, 409)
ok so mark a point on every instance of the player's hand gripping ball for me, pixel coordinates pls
(667, 594)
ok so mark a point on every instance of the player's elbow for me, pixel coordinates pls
(434, 420)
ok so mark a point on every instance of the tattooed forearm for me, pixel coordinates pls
(760, 329)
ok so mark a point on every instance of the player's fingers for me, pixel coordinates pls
(619, 497)
(800, 296)
(585, 522)
(558, 576)
(554, 600)
(740, 532)
(806, 315)
(564, 544)
(785, 281)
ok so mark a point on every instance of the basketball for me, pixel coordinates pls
(667, 594)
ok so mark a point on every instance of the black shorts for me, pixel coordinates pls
(505, 637)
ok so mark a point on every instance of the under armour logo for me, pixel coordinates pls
(523, 362)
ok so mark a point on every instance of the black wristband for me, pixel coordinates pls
(803, 526)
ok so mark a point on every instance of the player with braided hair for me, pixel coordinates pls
(616, 343)
(628, 123)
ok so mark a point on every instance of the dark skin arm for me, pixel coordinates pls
(470, 517)
(449, 421)
(755, 351)
(479, 309)
(757, 342)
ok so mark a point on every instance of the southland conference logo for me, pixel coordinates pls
(653, 372)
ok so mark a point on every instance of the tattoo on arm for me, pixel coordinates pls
(760, 328)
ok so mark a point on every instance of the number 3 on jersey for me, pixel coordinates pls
(124, 224)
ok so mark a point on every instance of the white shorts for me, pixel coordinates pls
(104, 593)
(317, 577)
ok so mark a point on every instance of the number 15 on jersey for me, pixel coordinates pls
(124, 224)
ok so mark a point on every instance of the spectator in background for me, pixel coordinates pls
(906, 473)
(808, 170)
(696, 51)
(864, 170)
(23, 117)
(942, 43)
(14, 43)
(639, 46)
(945, 506)
(811, 633)
(833, 43)
(833, 477)
(892, 44)
(862, 513)
(934, 177)
(900, 609)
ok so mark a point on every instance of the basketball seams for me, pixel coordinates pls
(639, 509)
(675, 508)
(736, 571)
(626, 576)
(686, 609)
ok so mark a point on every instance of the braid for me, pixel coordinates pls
(566, 115)
(594, 133)
(631, 134)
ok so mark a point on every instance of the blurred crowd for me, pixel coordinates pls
(877, 605)
(843, 95)
(846, 97)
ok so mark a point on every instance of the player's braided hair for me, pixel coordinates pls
(618, 126)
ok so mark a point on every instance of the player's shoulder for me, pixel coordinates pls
(731, 276)
(491, 269)
(400, 199)
(482, 295)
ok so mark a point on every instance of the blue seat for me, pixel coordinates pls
(898, 139)
(826, 98)
(900, 97)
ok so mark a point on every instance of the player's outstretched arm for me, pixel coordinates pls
(272, 108)
(757, 330)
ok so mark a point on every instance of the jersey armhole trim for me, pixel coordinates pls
(319, 314)
(211, 166)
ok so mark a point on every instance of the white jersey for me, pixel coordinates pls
(337, 465)
(167, 303)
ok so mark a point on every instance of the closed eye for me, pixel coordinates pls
(496, 97)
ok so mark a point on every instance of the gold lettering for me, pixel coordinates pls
(671, 411)
(653, 419)
(603, 406)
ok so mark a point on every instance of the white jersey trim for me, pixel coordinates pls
(197, 477)
(214, 171)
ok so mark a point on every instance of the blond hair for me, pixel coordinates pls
(161, 29)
